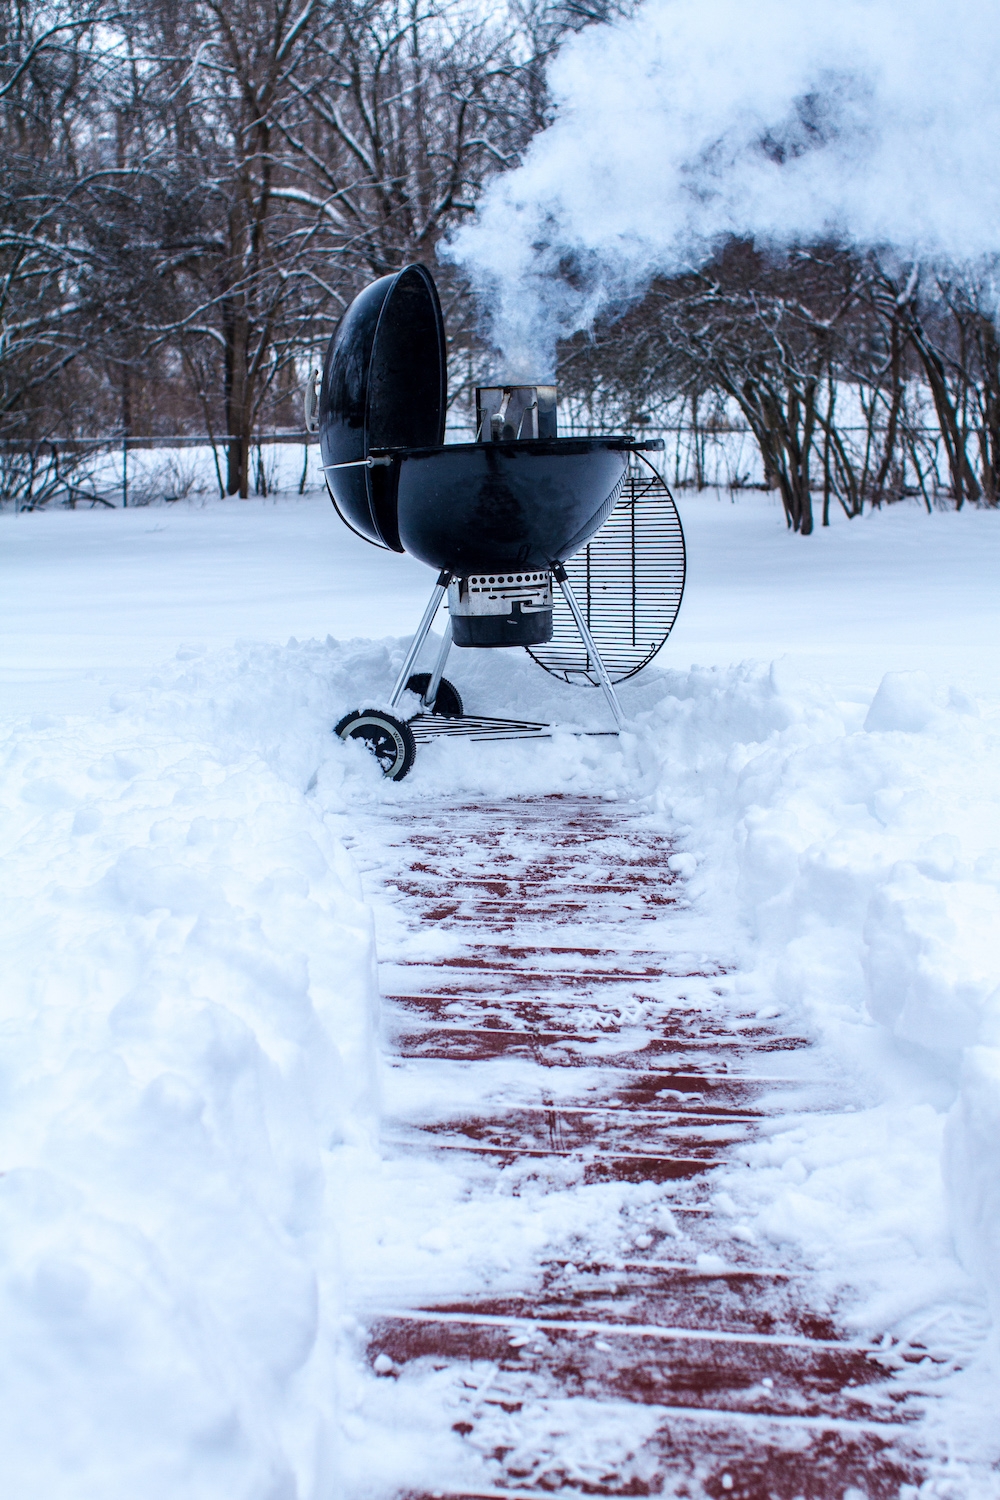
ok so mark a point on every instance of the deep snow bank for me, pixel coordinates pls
(188, 1009)
(865, 862)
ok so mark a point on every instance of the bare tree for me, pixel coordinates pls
(293, 150)
(48, 63)
(201, 185)
(192, 190)
(760, 331)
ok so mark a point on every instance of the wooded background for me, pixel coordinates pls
(191, 191)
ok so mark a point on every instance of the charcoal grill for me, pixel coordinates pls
(503, 520)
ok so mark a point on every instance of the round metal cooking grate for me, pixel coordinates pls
(628, 581)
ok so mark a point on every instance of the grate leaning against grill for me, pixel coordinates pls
(629, 581)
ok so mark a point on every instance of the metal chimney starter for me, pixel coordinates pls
(510, 413)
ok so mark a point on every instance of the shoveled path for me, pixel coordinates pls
(612, 1049)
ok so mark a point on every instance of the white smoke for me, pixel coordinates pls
(877, 121)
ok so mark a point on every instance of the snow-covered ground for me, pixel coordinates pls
(190, 1075)
(92, 600)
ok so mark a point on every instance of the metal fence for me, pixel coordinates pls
(111, 470)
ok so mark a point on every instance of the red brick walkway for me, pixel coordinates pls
(560, 907)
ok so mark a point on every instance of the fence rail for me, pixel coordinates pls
(723, 454)
(118, 441)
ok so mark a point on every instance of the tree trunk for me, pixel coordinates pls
(699, 464)
(236, 333)
(896, 374)
(832, 396)
(963, 480)
(990, 436)
(785, 454)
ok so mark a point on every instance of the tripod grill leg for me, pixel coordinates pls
(427, 701)
(559, 574)
(444, 578)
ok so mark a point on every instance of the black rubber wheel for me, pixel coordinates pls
(389, 739)
(447, 702)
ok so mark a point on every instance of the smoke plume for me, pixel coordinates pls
(870, 121)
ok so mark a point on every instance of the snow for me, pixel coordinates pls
(195, 1213)
(188, 1027)
(92, 600)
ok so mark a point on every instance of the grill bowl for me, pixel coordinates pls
(482, 507)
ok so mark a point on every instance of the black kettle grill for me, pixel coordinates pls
(498, 518)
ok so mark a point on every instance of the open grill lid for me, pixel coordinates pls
(384, 386)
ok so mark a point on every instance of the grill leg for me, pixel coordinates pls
(559, 574)
(444, 578)
(427, 701)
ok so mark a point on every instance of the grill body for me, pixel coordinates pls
(506, 507)
(519, 498)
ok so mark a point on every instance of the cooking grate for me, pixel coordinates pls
(629, 581)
